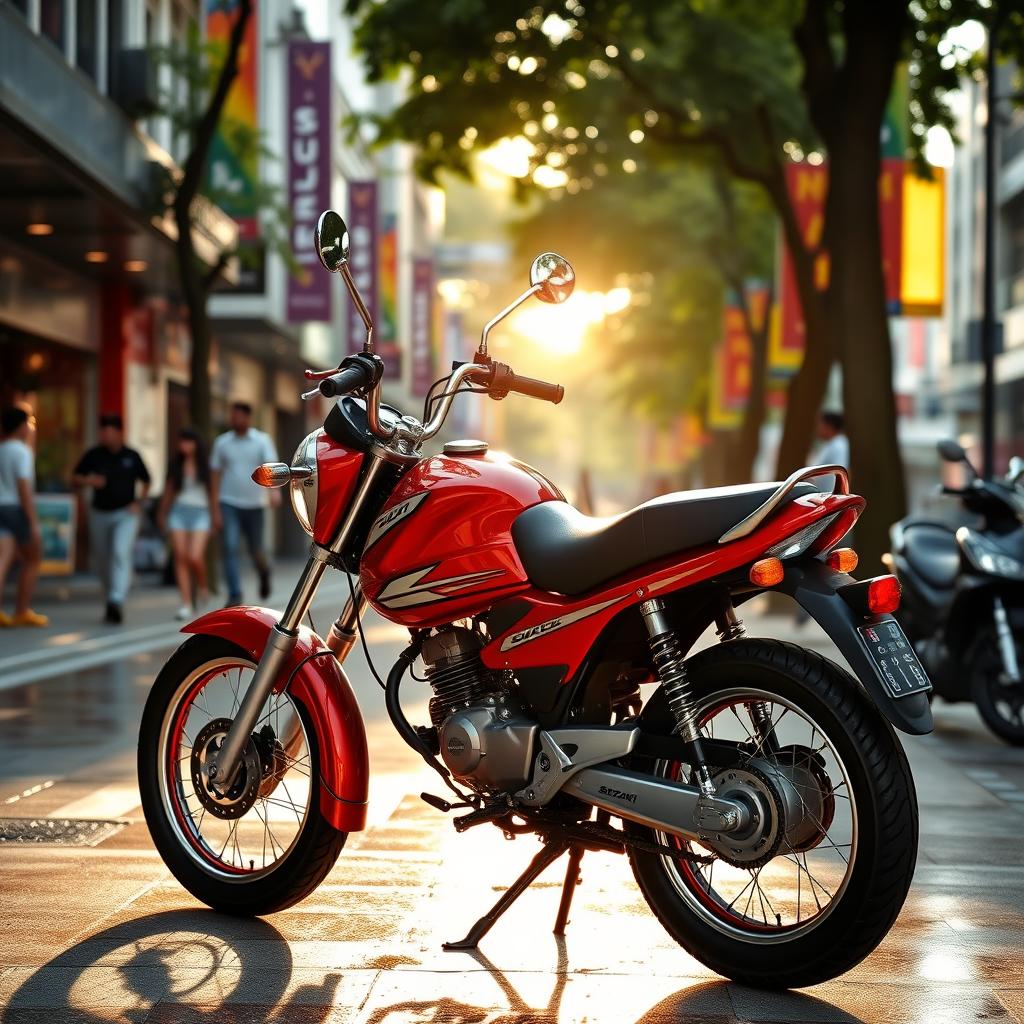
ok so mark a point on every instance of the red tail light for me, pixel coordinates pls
(884, 594)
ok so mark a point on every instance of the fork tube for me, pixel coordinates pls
(223, 766)
(342, 636)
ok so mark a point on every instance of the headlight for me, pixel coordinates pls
(987, 557)
(303, 485)
(800, 541)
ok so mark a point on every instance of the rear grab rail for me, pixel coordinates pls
(747, 526)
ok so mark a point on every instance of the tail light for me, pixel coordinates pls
(878, 596)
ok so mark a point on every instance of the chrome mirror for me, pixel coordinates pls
(332, 243)
(950, 451)
(553, 277)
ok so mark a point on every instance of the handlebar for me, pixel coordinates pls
(503, 380)
(350, 379)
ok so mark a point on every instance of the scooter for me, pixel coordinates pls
(963, 590)
(759, 792)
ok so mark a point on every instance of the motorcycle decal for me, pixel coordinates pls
(390, 519)
(524, 636)
(406, 591)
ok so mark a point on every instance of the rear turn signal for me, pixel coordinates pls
(884, 594)
(766, 572)
(843, 560)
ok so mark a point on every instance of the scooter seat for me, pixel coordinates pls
(567, 552)
(933, 554)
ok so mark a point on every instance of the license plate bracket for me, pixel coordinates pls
(893, 657)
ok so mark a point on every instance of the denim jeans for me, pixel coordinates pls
(112, 535)
(239, 522)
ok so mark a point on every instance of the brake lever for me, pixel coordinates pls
(318, 375)
(307, 395)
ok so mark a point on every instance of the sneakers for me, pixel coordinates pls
(28, 618)
(184, 613)
(113, 614)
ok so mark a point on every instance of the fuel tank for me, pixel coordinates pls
(442, 549)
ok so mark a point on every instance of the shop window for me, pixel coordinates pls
(51, 22)
(115, 39)
(21, 6)
(86, 37)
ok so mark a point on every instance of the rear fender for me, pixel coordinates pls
(319, 683)
(813, 585)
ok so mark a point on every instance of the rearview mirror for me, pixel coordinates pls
(950, 451)
(332, 241)
(1016, 470)
(553, 277)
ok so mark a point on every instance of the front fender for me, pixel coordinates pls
(319, 683)
(814, 586)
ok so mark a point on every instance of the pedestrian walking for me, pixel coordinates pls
(833, 447)
(19, 525)
(238, 502)
(185, 513)
(120, 482)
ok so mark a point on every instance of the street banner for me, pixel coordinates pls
(421, 335)
(387, 325)
(731, 367)
(233, 170)
(923, 280)
(310, 130)
(363, 235)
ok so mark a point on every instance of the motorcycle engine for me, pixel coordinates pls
(485, 738)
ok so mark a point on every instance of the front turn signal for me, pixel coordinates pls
(272, 474)
(843, 560)
(766, 572)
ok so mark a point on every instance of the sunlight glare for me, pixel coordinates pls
(509, 156)
(561, 330)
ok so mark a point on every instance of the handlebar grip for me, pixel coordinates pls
(536, 388)
(350, 379)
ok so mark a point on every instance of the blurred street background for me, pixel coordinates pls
(773, 209)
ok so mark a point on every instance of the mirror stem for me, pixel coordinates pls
(498, 317)
(364, 313)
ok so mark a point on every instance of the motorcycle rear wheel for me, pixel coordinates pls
(759, 943)
(186, 828)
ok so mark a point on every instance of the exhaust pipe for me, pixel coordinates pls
(671, 807)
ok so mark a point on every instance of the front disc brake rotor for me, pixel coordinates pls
(761, 840)
(243, 792)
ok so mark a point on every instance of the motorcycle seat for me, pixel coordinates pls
(933, 554)
(567, 552)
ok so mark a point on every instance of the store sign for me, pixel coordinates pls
(234, 164)
(309, 174)
(364, 245)
(387, 294)
(421, 337)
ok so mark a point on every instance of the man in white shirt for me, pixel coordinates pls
(834, 448)
(238, 502)
(19, 527)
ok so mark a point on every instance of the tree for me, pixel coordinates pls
(684, 238)
(201, 74)
(606, 87)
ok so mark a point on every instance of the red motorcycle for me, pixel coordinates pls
(758, 790)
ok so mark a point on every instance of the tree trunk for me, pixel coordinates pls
(747, 439)
(196, 297)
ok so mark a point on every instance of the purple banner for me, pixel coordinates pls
(309, 174)
(421, 336)
(364, 241)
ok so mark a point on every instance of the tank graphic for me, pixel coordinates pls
(442, 549)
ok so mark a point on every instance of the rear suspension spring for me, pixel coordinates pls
(670, 667)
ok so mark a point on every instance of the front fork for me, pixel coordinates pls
(223, 765)
(1007, 644)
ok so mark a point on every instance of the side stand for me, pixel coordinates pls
(548, 854)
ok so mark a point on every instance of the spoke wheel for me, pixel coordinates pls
(262, 843)
(804, 872)
(250, 828)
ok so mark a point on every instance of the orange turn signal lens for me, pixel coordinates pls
(843, 560)
(884, 595)
(272, 474)
(766, 572)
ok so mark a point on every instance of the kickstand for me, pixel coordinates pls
(547, 854)
(572, 879)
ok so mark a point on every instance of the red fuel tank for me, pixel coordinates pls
(442, 547)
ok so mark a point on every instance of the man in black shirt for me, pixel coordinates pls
(114, 473)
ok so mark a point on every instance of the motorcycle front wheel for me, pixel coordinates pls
(816, 889)
(261, 846)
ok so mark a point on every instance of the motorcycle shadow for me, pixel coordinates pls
(710, 1002)
(176, 965)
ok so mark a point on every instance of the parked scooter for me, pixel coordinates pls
(963, 594)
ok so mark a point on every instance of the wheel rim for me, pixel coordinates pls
(1005, 699)
(798, 888)
(258, 840)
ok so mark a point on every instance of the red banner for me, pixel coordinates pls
(421, 336)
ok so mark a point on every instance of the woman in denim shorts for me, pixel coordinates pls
(185, 514)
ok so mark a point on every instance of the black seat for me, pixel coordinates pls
(565, 551)
(933, 553)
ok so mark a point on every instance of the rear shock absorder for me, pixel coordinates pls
(670, 667)
(730, 627)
